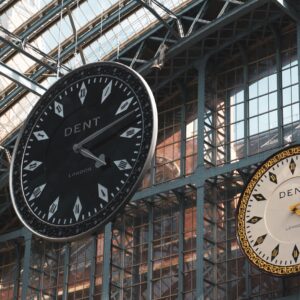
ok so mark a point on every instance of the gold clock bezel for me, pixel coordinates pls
(241, 212)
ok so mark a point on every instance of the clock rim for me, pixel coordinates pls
(295, 269)
(110, 217)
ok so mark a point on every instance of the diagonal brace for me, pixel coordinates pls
(158, 17)
(21, 79)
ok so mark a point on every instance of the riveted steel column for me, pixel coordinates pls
(66, 271)
(150, 252)
(93, 266)
(200, 182)
(26, 262)
(106, 276)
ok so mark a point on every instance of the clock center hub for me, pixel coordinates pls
(283, 224)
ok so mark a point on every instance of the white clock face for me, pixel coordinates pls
(268, 215)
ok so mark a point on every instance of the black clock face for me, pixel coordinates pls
(83, 150)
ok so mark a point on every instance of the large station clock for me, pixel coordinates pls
(268, 214)
(83, 150)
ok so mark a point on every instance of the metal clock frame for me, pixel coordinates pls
(241, 212)
(146, 165)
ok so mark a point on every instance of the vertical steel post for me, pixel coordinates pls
(200, 182)
(17, 271)
(279, 84)
(201, 112)
(246, 100)
(106, 275)
(180, 199)
(228, 130)
(26, 263)
(199, 244)
(298, 53)
(136, 260)
(66, 271)
(183, 139)
(150, 252)
(184, 98)
(93, 267)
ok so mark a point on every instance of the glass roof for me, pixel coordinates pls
(50, 41)
(16, 15)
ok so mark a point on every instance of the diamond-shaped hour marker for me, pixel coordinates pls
(273, 177)
(259, 197)
(33, 165)
(130, 132)
(292, 166)
(77, 209)
(275, 252)
(260, 240)
(124, 106)
(122, 164)
(102, 192)
(53, 208)
(295, 253)
(254, 220)
(106, 92)
(37, 192)
(41, 135)
(82, 93)
(59, 109)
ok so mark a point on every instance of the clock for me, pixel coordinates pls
(83, 150)
(268, 214)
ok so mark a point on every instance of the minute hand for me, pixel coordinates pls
(101, 131)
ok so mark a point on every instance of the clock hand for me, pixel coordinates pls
(100, 161)
(295, 208)
(78, 146)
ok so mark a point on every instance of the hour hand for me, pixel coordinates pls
(295, 208)
(100, 161)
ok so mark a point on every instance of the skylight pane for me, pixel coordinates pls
(120, 35)
(21, 12)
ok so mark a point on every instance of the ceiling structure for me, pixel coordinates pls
(40, 41)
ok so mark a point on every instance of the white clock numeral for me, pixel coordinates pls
(53, 208)
(130, 132)
(102, 192)
(122, 164)
(37, 192)
(82, 93)
(33, 165)
(41, 135)
(106, 92)
(124, 105)
(77, 209)
(59, 109)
